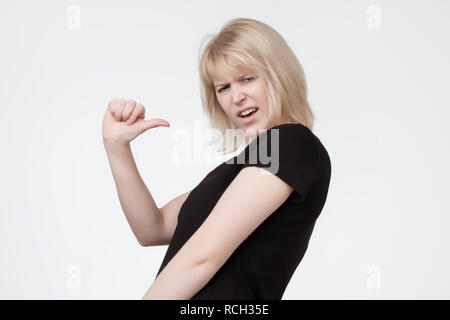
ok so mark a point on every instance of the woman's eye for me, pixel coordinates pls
(220, 90)
(225, 87)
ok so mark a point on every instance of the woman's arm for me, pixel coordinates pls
(123, 121)
(142, 214)
(249, 200)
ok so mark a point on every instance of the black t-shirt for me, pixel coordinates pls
(263, 264)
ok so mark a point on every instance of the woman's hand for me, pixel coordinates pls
(124, 121)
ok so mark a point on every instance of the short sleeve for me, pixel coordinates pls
(290, 152)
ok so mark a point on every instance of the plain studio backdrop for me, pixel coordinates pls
(378, 78)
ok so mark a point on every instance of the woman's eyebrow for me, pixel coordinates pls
(221, 84)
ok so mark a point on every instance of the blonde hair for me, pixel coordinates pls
(253, 45)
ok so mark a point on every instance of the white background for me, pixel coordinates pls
(380, 96)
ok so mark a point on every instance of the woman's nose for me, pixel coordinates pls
(238, 96)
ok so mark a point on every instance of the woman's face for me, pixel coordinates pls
(238, 90)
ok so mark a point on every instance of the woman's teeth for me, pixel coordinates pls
(247, 112)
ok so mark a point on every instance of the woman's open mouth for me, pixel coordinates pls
(249, 114)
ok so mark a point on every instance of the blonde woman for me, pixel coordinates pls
(243, 230)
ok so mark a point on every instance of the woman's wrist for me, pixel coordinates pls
(113, 146)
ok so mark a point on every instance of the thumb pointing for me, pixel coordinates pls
(152, 123)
